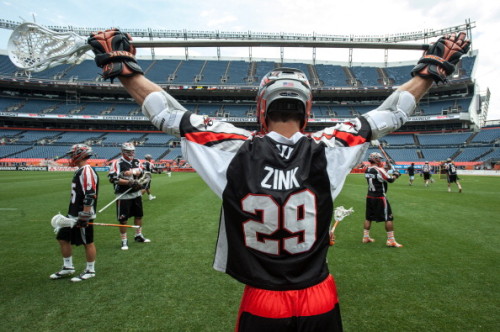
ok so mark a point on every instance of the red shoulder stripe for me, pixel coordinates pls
(349, 139)
(206, 137)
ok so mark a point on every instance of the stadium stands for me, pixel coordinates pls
(191, 74)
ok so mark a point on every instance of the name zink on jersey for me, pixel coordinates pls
(279, 179)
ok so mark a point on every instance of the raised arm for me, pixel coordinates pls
(437, 63)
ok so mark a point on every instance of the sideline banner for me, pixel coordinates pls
(24, 168)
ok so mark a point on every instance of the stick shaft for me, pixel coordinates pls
(332, 241)
(117, 198)
(113, 225)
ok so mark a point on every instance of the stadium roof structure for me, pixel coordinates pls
(154, 38)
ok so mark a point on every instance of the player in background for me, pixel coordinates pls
(451, 175)
(426, 171)
(150, 168)
(124, 174)
(168, 170)
(378, 208)
(411, 173)
(82, 207)
(278, 185)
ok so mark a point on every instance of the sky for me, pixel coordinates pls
(364, 17)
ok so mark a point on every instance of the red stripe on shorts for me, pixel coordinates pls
(314, 300)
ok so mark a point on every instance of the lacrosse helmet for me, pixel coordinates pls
(289, 89)
(79, 152)
(148, 157)
(375, 158)
(128, 151)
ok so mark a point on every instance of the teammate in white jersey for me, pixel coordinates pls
(278, 185)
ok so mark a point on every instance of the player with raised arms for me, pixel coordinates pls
(278, 185)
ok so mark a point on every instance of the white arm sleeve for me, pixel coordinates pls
(392, 114)
(164, 112)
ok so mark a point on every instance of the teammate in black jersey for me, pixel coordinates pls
(278, 185)
(124, 173)
(82, 206)
(452, 175)
(377, 206)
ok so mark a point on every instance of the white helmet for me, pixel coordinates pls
(79, 152)
(128, 150)
(286, 84)
(148, 157)
(375, 158)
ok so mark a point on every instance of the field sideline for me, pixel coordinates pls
(446, 278)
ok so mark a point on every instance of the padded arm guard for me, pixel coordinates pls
(164, 112)
(391, 115)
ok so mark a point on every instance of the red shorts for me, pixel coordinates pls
(312, 309)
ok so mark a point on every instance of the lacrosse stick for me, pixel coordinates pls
(339, 214)
(114, 200)
(145, 178)
(35, 48)
(59, 221)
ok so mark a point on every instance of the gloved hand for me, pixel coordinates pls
(114, 53)
(440, 59)
(136, 185)
(83, 219)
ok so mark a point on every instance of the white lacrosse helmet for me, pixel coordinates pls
(375, 158)
(284, 84)
(148, 157)
(128, 150)
(79, 152)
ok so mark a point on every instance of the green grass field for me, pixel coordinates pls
(446, 278)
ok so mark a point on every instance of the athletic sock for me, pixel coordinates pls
(123, 236)
(91, 266)
(366, 233)
(390, 236)
(138, 231)
(68, 261)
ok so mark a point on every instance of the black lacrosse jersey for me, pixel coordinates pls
(277, 196)
(148, 167)
(85, 182)
(119, 166)
(450, 168)
(377, 178)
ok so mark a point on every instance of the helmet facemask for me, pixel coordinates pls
(128, 151)
(375, 158)
(77, 153)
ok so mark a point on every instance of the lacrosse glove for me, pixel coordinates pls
(114, 54)
(136, 185)
(83, 219)
(439, 61)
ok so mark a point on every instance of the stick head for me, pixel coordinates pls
(341, 212)
(59, 221)
(33, 47)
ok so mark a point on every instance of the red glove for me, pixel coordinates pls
(440, 59)
(114, 53)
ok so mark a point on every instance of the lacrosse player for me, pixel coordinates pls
(426, 171)
(411, 173)
(278, 185)
(149, 168)
(377, 206)
(451, 175)
(125, 174)
(82, 207)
